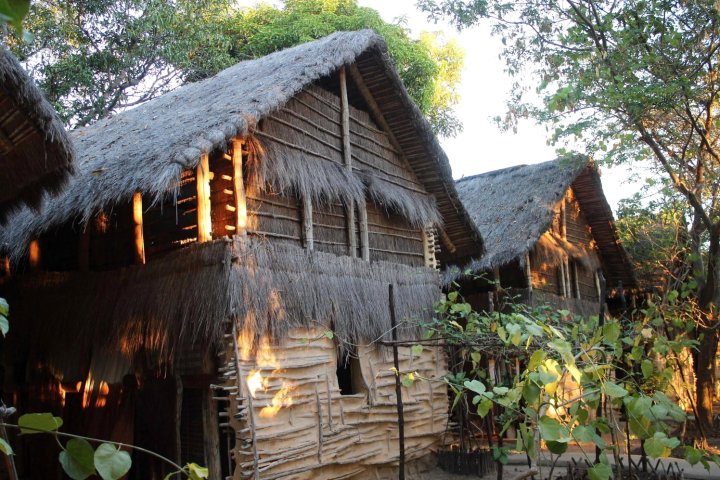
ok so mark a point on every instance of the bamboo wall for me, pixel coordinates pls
(311, 122)
(317, 433)
(570, 284)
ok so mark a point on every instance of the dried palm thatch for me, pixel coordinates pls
(146, 149)
(189, 295)
(35, 151)
(513, 208)
(419, 210)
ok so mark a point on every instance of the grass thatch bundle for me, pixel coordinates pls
(419, 210)
(35, 151)
(189, 295)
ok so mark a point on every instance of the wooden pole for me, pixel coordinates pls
(211, 429)
(239, 188)
(202, 179)
(347, 158)
(364, 236)
(250, 407)
(34, 255)
(428, 238)
(138, 222)
(307, 222)
(398, 389)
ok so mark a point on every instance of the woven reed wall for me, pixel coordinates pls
(330, 228)
(319, 433)
(392, 239)
(545, 273)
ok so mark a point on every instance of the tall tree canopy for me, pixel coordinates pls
(95, 57)
(627, 80)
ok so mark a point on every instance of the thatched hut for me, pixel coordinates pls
(549, 235)
(35, 151)
(225, 251)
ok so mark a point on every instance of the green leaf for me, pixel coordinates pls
(329, 334)
(408, 380)
(39, 423)
(530, 392)
(77, 459)
(536, 359)
(196, 471)
(613, 390)
(111, 463)
(484, 407)
(416, 350)
(599, 471)
(5, 447)
(475, 386)
(4, 325)
(452, 296)
(647, 368)
(4, 307)
(558, 448)
(551, 430)
(500, 390)
(660, 446)
(14, 11)
(693, 455)
(611, 332)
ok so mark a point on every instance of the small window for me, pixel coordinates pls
(349, 374)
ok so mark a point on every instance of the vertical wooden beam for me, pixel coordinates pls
(576, 281)
(364, 235)
(202, 180)
(563, 279)
(308, 223)
(347, 158)
(239, 188)
(34, 255)
(528, 271)
(138, 222)
(211, 440)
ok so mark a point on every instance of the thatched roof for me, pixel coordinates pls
(514, 207)
(35, 151)
(268, 288)
(145, 149)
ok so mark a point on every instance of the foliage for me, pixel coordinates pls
(430, 67)
(629, 80)
(96, 57)
(78, 458)
(13, 12)
(570, 368)
(655, 235)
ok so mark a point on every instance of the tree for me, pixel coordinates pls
(627, 80)
(96, 57)
(429, 67)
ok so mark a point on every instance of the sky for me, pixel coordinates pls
(482, 147)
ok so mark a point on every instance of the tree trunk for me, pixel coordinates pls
(705, 357)
(705, 379)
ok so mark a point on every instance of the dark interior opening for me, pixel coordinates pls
(349, 374)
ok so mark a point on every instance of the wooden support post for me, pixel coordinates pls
(34, 255)
(575, 280)
(202, 179)
(528, 272)
(398, 387)
(211, 431)
(308, 223)
(239, 188)
(250, 408)
(138, 222)
(563, 279)
(347, 159)
(364, 235)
